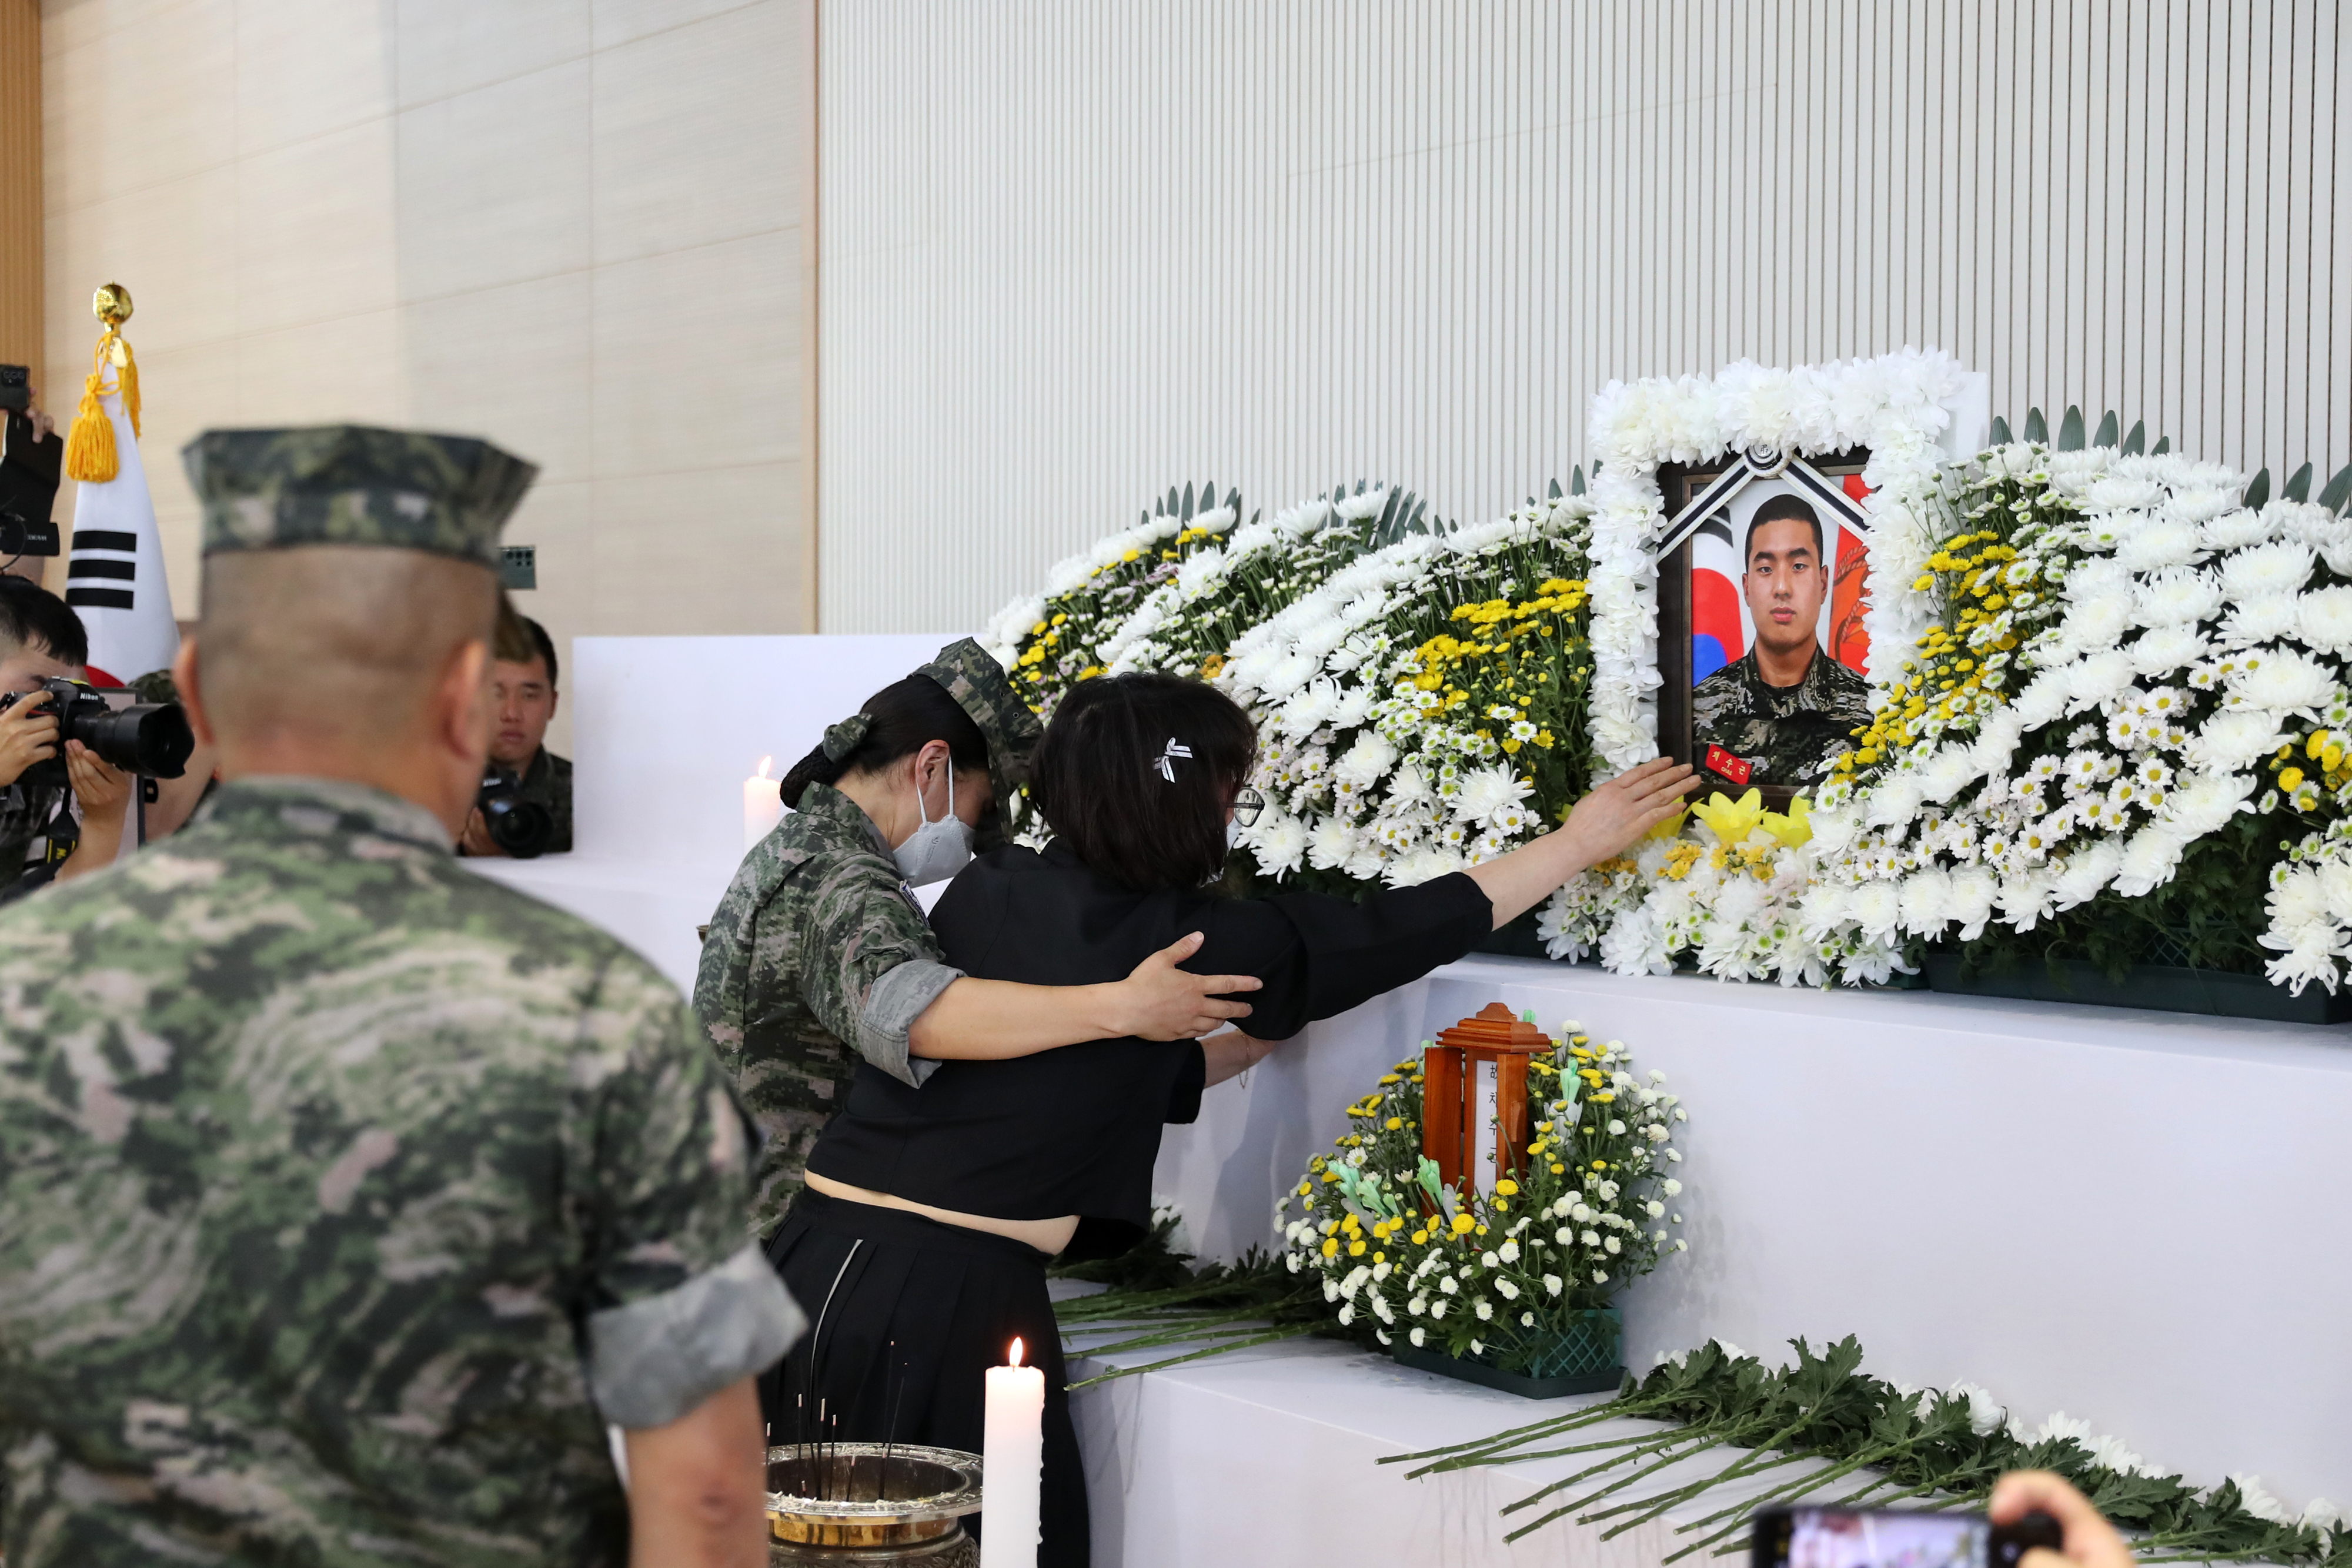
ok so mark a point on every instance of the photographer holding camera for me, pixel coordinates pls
(525, 806)
(55, 823)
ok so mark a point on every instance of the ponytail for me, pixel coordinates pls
(899, 720)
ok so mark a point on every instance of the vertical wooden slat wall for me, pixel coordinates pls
(1074, 250)
(20, 189)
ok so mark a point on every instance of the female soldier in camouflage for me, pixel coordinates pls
(819, 957)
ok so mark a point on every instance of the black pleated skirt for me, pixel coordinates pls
(908, 1315)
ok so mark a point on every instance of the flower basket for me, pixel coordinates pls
(2157, 988)
(1585, 1358)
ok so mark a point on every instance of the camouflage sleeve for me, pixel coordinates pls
(872, 966)
(683, 1307)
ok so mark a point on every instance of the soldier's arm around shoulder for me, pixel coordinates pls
(869, 963)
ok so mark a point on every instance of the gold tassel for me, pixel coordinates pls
(127, 378)
(90, 445)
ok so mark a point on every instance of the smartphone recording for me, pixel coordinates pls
(1893, 1538)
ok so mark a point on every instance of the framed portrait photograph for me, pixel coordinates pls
(1762, 579)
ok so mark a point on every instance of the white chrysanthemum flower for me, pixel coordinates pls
(1486, 791)
(2266, 619)
(2256, 1499)
(1419, 1336)
(1367, 761)
(1485, 1309)
(2323, 620)
(2265, 569)
(2282, 680)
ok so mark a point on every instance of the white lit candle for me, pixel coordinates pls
(763, 808)
(1013, 1465)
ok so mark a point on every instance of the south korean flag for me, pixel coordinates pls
(114, 578)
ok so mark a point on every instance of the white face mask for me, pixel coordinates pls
(936, 851)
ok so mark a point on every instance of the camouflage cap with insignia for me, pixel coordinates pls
(353, 485)
(981, 687)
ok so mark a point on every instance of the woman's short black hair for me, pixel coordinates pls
(906, 717)
(33, 617)
(1136, 772)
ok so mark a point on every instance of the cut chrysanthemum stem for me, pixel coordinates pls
(1627, 1457)
(1622, 1405)
(1519, 1453)
(1292, 1332)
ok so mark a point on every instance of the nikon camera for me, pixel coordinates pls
(522, 828)
(149, 738)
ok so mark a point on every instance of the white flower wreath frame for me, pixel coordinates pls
(1914, 411)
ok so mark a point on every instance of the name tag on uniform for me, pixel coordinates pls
(1736, 768)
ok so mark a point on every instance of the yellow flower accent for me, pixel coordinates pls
(1560, 1170)
(1462, 1224)
(1670, 826)
(1330, 1247)
(2291, 779)
(1420, 1238)
(1793, 829)
(1731, 820)
(1604, 1099)
(1507, 1187)
(1355, 1249)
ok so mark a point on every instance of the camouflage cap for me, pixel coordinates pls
(353, 485)
(981, 687)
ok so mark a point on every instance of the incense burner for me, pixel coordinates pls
(872, 1503)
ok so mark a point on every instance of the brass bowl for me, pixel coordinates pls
(869, 1494)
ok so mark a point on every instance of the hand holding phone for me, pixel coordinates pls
(2088, 1540)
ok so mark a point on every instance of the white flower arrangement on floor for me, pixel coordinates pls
(2120, 653)
(1501, 1275)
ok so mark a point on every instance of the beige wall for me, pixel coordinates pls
(572, 226)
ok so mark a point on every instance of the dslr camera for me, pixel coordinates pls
(29, 469)
(148, 738)
(522, 828)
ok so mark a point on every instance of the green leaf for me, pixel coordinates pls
(2258, 492)
(2339, 489)
(2136, 441)
(1576, 479)
(1554, 492)
(2110, 429)
(2000, 435)
(2036, 427)
(2298, 488)
(2070, 429)
(2163, 445)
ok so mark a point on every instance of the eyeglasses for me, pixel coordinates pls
(1247, 805)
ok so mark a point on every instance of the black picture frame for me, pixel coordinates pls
(1685, 485)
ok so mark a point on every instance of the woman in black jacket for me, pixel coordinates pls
(920, 1245)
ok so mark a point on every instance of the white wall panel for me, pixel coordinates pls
(1074, 250)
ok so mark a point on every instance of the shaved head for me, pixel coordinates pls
(335, 643)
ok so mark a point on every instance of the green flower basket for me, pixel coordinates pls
(1586, 1358)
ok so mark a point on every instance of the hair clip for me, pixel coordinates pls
(1166, 764)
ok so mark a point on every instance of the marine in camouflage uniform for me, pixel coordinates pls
(818, 956)
(345, 1196)
(1790, 734)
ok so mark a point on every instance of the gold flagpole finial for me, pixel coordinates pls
(90, 445)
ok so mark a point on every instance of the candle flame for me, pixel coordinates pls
(764, 763)
(1016, 1352)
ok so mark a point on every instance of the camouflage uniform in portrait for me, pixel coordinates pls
(819, 957)
(346, 1195)
(1790, 734)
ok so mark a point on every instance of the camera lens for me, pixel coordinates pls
(522, 828)
(153, 738)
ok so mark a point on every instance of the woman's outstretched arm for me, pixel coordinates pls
(992, 1019)
(1606, 820)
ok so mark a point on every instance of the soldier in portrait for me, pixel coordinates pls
(1785, 711)
(348, 1197)
(819, 957)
